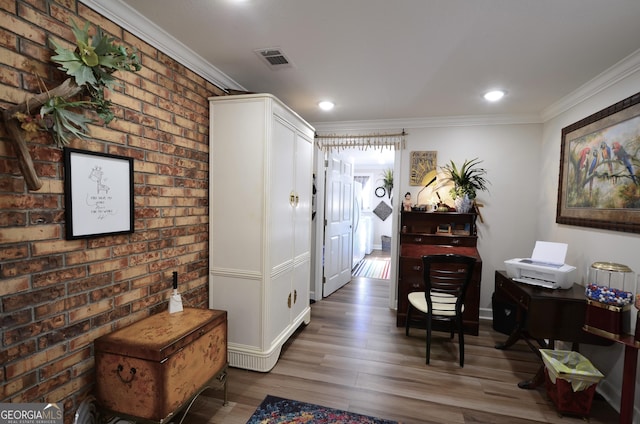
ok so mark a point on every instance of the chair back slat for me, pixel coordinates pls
(447, 275)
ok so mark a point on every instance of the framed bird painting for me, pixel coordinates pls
(600, 169)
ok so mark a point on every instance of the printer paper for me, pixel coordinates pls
(549, 253)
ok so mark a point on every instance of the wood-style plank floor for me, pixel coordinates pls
(353, 357)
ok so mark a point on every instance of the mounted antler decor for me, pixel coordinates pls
(90, 65)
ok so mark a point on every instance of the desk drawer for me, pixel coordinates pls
(446, 240)
(513, 293)
(411, 273)
(410, 279)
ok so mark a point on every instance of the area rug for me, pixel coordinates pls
(275, 410)
(372, 268)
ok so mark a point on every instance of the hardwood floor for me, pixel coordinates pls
(352, 357)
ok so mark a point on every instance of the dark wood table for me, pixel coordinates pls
(543, 313)
(627, 395)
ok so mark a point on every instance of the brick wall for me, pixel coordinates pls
(57, 296)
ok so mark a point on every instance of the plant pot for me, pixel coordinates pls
(463, 204)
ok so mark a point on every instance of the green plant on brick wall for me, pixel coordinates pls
(90, 65)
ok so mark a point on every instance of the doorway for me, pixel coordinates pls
(377, 210)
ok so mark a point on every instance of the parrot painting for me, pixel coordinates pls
(582, 164)
(625, 158)
(594, 162)
(605, 153)
(592, 168)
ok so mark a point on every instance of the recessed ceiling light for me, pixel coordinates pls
(494, 95)
(326, 105)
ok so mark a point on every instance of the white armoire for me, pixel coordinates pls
(261, 178)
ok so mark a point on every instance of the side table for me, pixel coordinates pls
(628, 374)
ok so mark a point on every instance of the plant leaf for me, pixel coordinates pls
(63, 55)
(85, 76)
(81, 34)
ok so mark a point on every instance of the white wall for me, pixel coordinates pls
(588, 245)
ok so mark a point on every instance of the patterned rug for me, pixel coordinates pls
(275, 410)
(372, 268)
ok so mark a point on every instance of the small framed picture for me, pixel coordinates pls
(443, 229)
(98, 194)
(422, 167)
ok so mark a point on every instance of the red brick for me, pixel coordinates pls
(22, 349)
(162, 122)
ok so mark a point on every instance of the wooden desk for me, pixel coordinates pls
(544, 314)
(420, 236)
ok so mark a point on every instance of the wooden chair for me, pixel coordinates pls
(446, 278)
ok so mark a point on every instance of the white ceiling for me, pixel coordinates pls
(395, 60)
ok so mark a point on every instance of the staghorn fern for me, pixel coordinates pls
(90, 65)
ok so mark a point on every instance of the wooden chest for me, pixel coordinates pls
(152, 368)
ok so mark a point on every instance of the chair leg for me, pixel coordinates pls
(461, 342)
(407, 319)
(428, 338)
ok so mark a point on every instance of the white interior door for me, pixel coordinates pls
(338, 235)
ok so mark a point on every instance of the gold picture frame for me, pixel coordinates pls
(599, 161)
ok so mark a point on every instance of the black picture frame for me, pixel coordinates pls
(599, 183)
(99, 197)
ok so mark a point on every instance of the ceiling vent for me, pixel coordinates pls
(274, 57)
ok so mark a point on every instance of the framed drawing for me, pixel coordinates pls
(599, 161)
(422, 167)
(98, 194)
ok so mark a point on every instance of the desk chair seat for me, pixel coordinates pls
(446, 278)
(444, 304)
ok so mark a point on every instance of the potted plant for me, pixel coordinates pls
(387, 181)
(467, 180)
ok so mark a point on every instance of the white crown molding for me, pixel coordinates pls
(446, 121)
(138, 25)
(621, 70)
(132, 21)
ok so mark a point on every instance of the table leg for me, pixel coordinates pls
(513, 338)
(628, 384)
(534, 382)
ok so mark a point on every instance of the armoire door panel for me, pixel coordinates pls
(281, 187)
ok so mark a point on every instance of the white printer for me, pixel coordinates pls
(545, 268)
